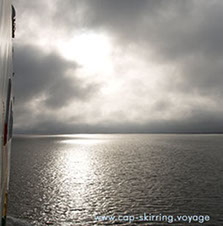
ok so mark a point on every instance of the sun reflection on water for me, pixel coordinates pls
(75, 164)
(82, 141)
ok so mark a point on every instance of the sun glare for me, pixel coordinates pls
(90, 50)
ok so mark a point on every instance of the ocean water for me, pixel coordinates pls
(71, 180)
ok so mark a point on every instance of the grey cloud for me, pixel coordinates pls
(173, 27)
(186, 34)
(206, 124)
(61, 92)
(203, 75)
(36, 71)
(41, 73)
(122, 17)
(162, 105)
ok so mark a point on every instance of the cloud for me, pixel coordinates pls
(166, 66)
(45, 81)
(186, 34)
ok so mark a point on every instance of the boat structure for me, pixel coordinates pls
(7, 33)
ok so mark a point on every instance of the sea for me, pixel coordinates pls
(116, 179)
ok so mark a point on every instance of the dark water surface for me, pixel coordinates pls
(69, 180)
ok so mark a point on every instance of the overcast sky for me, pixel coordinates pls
(95, 66)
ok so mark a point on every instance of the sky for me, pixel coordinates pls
(129, 66)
